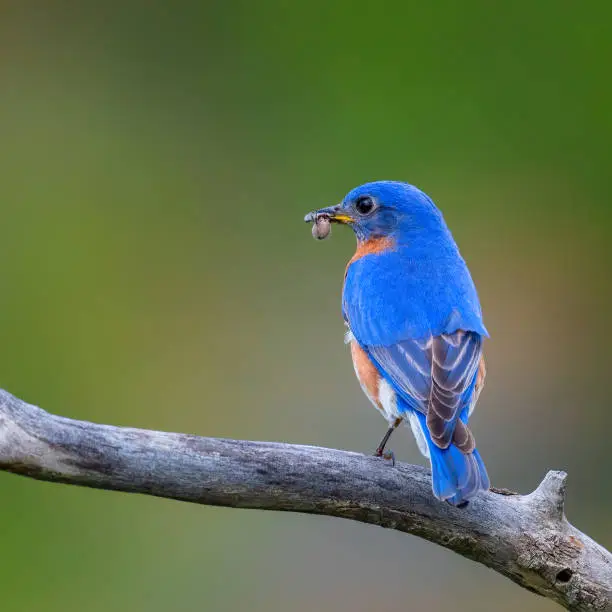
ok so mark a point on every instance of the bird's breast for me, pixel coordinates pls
(366, 372)
(377, 389)
(373, 246)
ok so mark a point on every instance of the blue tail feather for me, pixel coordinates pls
(456, 476)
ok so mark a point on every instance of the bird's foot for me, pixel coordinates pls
(463, 504)
(386, 456)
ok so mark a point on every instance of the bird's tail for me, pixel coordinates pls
(456, 476)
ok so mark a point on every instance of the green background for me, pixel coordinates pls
(157, 159)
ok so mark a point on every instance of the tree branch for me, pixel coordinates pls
(526, 538)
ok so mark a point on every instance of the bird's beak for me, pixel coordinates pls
(334, 213)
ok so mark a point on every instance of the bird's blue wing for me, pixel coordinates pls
(436, 377)
(407, 365)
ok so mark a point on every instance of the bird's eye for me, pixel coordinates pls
(364, 205)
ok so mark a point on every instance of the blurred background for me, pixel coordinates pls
(157, 160)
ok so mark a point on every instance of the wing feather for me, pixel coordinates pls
(436, 376)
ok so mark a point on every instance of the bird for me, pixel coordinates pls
(415, 327)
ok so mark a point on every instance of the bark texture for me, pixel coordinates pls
(524, 537)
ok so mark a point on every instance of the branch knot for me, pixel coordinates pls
(549, 497)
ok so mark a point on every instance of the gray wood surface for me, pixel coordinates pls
(524, 537)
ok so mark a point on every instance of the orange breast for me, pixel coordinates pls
(480, 377)
(368, 375)
(371, 247)
(374, 246)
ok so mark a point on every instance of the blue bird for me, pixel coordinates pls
(414, 326)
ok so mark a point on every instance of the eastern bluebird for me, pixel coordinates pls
(415, 327)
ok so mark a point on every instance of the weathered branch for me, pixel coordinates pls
(525, 538)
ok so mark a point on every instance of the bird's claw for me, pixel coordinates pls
(386, 456)
(389, 456)
(463, 504)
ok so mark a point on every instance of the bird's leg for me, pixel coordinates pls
(381, 447)
(380, 451)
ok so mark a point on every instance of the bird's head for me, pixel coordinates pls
(384, 209)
